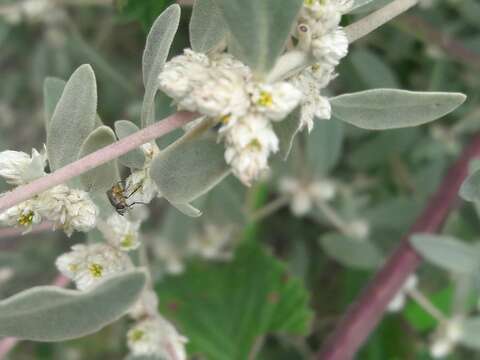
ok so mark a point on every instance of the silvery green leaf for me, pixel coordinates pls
(48, 313)
(324, 145)
(470, 335)
(350, 252)
(286, 131)
(470, 189)
(73, 119)
(381, 109)
(187, 209)
(102, 177)
(447, 252)
(357, 5)
(52, 91)
(207, 26)
(259, 29)
(158, 45)
(372, 70)
(135, 158)
(188, 169)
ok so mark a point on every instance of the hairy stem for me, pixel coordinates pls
(363, 315)
(95, 159)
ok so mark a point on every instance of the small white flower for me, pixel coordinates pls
(19, 168)
(446, 338)
(398, 302)
(305, 194)
(24, 215)
(156, 337)
(359, 229)
(331, 47)
(69, 209)
(120, 232)
(146, 306)
(249, 143)
(170, 256)
(86, 265)
(213, 243)
(277, 100)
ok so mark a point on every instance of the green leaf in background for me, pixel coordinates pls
(372, 70)
(224, 308)
(207, 26)
(49, 313)
(144, 11)
(470, 189)
(259, 29)
(134, 159)
(447, 252)
(360, 254)
(189, 168)
(286, 130)
(73, 119)
(102, 177)
(159, 41)
(324, 146)
(52, 91)
(382, 109)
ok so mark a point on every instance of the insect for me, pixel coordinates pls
(118, 196)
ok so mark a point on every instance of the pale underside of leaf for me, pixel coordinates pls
(134, 159)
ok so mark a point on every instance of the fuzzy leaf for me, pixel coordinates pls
(447, 252)
(188, 169)
(207, 26)
(286, 131)
(156, 51)
(382, 109)
(134, 159)
(324, 145)
(247, 298)
(350, 252)
(103, 177)
(52, 91)
(259, 29)
(73, 119)
(187, 209)
(358, 4)
(470, 189)
(48, 313)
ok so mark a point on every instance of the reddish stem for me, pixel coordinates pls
(363, 315)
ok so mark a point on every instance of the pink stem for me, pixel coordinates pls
(8, 343)
(362, 316)
(94, 159)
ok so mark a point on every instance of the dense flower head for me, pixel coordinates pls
(19, 168)
(23, 215)
(86, 265)
(68, 209)
(120, 232)
(156, 337)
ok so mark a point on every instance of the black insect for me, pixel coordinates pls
(118, 196)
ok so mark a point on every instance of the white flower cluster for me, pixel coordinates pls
(318, 32)
(224, 89)
(120, 232)
(67, 208)
(32, 11)
(157, 337)
(304, 194)
(446, 338)
(398, 302)
(86, 265)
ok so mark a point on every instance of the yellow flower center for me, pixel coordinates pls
(96, 270)
(310, 2)
(136, 335)
(255, 145)
(225, 119)
(26, 219)
(127, 241)
(265, 99)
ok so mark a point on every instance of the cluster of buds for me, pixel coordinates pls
(318, 32)
(222, 88)
(66, 208)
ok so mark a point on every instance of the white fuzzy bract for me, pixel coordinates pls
(156, 337)
(304, 194)
(19, 168)
(86, 265)
(68, 209)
